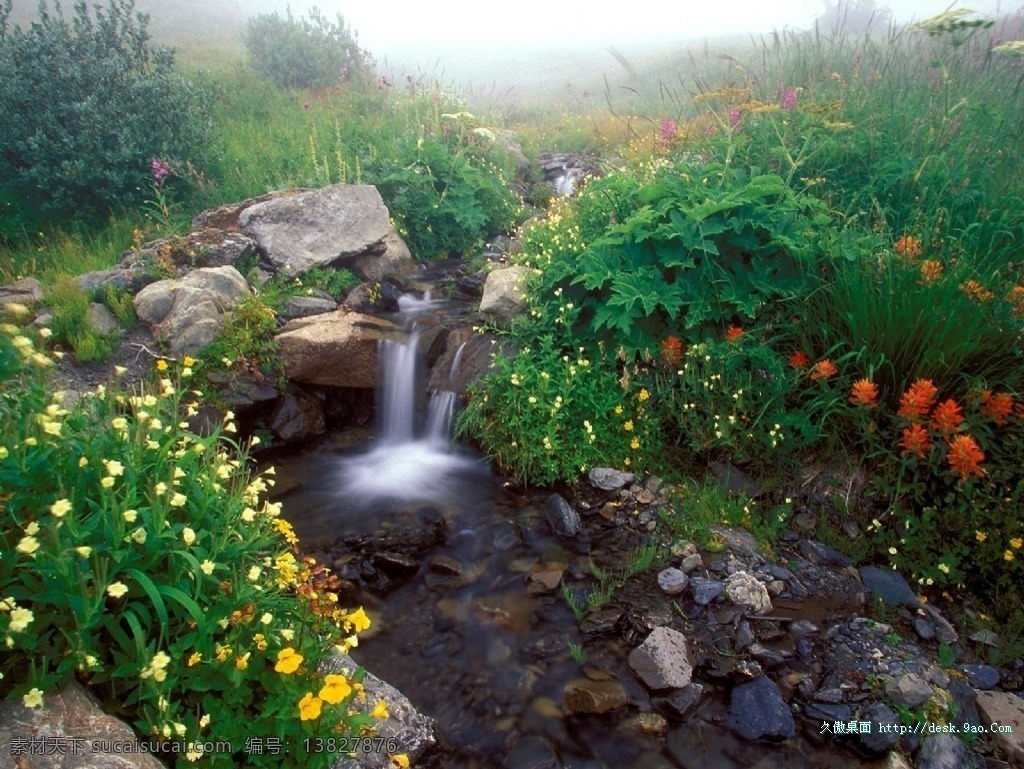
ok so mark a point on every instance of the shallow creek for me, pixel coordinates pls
(457, 629)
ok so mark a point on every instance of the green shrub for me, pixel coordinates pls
(688, 252)
(141, 559)
(305, 53)
(88, 106)
(549, 414)
(448, 195)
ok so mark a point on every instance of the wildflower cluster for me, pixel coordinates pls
(136, 523)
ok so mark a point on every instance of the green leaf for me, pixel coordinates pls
(186, 603)
(153, 593)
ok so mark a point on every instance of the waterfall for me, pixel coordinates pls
(412, 457)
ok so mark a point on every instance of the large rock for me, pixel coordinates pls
(336, 349)
(188, 313)
(757, 711)
(889, 586)
(662, 660)
(389, 257)
(27, 292)
(505, 294)
(562, 517)
(1007, 710)
(315, 228)
(411, 732)
(70, 715)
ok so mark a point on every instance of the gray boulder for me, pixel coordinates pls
(27, 292)
(608, 478)
(747, 592)
(1007, 710)
(188, 313)
(505, 294)
(69, 715)
(411, 731)
(315, 228)
(757, 711)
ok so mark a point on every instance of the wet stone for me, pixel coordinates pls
(824, 711)
(705, 590)
(981, 676)
(505, 537)
(646, 724)
(802, 628)
(677, 705)
(445, 565)
(532, 753)
(942, 751)
(601, 621)
(878, 741)
(691, 562)
(545, 578)
(819, 553)
(757, 711)
(908, 690)
(581, 695)
(662, 661)
(888, 585)
(672, 581)
(924, 628)
(609, 479)
(562, 517)
(395, 563)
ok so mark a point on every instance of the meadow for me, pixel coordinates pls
(803, 253)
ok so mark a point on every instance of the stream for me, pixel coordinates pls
(442, 554)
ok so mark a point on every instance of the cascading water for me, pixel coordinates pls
(413, 458)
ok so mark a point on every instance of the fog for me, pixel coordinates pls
(522, 43)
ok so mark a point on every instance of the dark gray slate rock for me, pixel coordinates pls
(298, 414)
(888, 585)
(677, 705)
(908, 690)
(942, 751)
(705, 590)
(562, 516)
(878, 741)
(981, 676)
(608, 478)
(757, 711)
(662, 661)
(734, 480)
(826, 711)
(819, 553)
(304, 306)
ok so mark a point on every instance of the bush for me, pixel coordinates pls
(305, 53)
(141, 559)
(690, 252)
(88, 106)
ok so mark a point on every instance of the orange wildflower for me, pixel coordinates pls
(734, 334)
(908, 247)
(976, 291)
(864, 393)
(1016, 298)
(799, 360)
(671, 350)
(915, 441)
(824, 369)
(996, 406)
(917, 401)
(930, 270)
(947, 417)
(965, 457)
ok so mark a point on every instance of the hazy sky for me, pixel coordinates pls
(384, 26)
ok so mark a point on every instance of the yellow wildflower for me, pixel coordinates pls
(380, 710)
(336, 688)
(359, 620)
(309, 707)
(288, 661)
(117, 589)
(60, 508)
(20, 619)
(34, 699)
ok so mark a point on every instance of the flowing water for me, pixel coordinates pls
(461, 635)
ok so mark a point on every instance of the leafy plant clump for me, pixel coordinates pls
(145, 563)
(305, 53)
(88, 105)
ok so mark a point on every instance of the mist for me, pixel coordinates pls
(537, 46)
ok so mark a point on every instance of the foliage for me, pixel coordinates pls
(70, 324)
(732, 396)
(936, 318)
(145, 563)
(448, 193)
(88, 104)
(247, 342)
(688, 251)
(305, 53)
(548, 414)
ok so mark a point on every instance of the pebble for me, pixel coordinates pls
(672, 581)
(706, 590)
